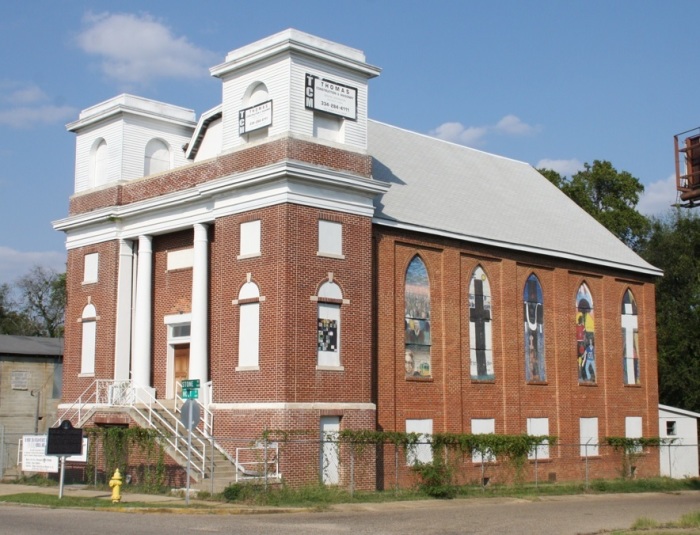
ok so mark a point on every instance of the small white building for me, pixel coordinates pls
(680, 458)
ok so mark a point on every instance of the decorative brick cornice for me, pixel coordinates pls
(236, 162)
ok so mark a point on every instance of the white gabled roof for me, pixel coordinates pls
(450, 190)
(676, 410)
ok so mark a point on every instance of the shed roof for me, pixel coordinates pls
(30, 345)
(442, 188)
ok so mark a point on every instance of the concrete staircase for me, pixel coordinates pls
(211, 467)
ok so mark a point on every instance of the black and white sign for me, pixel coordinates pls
(330, 97)
(255, 117)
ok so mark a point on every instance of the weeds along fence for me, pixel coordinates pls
(369, 461)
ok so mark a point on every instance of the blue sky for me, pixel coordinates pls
(552, 83)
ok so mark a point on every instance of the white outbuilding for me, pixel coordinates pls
(679, 459)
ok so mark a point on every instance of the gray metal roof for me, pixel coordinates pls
(30, 345)
(451, 190)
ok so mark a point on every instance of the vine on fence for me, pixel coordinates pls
(117, 443)
(632, 449)
(437, 475)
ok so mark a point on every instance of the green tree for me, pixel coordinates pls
(610, 196)
(12, 321)
(674, 246)
(42, 300)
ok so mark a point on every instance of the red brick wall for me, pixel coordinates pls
(288, 273)
(300, 453)
(103, 295)
(451, 399)
(235, 162)
(172, 294)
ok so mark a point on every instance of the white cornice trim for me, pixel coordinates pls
(293, 406)
(293, 45)
(516, 247)
(121, 108)
(283, 182)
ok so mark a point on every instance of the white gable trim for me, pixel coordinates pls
(515, 246)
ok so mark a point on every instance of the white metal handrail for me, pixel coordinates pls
(178, 431)
(111, 393)
(264, 458)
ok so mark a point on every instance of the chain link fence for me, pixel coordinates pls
(298, 461)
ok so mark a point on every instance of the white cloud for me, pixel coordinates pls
(658, 197)
(26, 105)
(563, 167)
(512, 125)
(25, 117)
(475, 135)
(137, 49)
(21, 94)
(457, 133)
(14, 264)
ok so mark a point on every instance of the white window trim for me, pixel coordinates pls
(88, 269)
(257, 235)
(420, 453)
(542, 450)
(487, 456)
(330, 253)
(591, 449)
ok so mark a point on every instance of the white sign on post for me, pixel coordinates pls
(34, 458)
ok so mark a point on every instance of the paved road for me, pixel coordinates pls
(551, 515)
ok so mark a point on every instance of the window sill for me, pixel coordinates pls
(330, 368)
(546, 460)
(245, 256)
(538, 383)
(247, 368)
(418, 379)
(483, 381)
(632, 386)
(86, 374)
(587, 383)
(331, 255)
(85, 283)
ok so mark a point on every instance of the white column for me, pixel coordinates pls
(125, 290)
(141, 361)
(199, 362)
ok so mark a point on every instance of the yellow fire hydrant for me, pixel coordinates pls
(116, 484)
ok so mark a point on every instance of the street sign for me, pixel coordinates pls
(190, 393)
(190, 414)
(190, 383)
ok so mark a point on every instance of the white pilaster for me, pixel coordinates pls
(125, 290)
(199, 362)
(141, 362)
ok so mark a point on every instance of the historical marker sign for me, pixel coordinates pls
(64, 440)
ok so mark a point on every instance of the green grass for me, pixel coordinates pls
(321, 497)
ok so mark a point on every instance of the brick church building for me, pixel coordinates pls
(317, 270)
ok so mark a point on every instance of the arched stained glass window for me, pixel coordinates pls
(630, 340)
(88, 344)
(585, 335)
(249, 326)
(533, 311)
(480, 337)
(417, 320)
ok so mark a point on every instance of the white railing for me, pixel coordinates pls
(258, 462)
(173, 430)
(111, 393)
